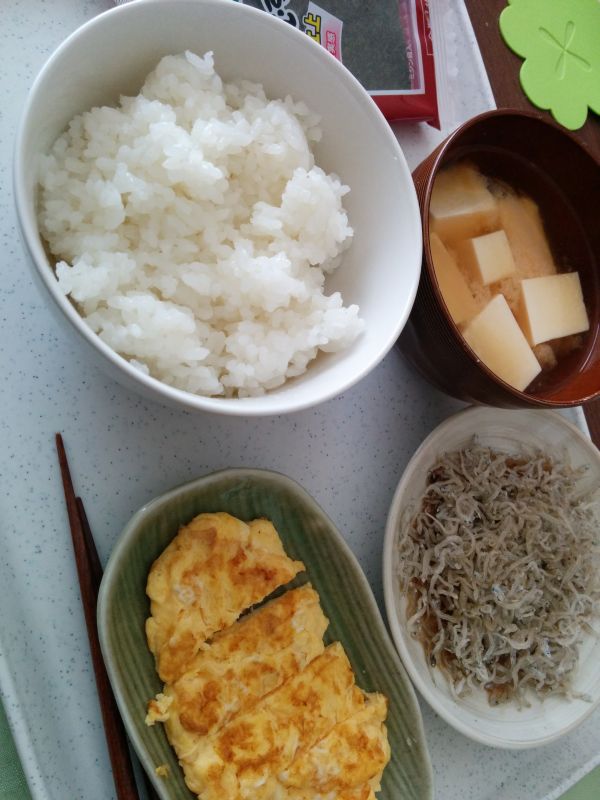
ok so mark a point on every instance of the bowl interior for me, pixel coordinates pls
(505, 725)
(347, 601)
(113, 53)
(538, 159)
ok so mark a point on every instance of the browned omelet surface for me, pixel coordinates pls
(241, 665)
(239, 759)
(215, 568)
(348, 762)
(258, 708)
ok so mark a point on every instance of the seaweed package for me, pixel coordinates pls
(387, 45)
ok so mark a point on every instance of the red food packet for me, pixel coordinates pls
(387, 45)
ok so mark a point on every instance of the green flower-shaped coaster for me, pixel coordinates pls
(560, 42)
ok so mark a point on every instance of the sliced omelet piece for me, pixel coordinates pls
(348, 762)
(360, 793)
(364, 792)
(238, 761)
(240, 665)
(216, 567)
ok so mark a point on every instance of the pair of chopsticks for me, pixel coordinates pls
(89, 572)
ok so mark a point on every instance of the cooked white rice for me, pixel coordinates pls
(193, 231)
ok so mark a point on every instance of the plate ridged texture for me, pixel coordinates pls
(307, 534)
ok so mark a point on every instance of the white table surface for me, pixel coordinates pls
(349, 454)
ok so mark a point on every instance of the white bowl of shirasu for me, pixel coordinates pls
(492, 574)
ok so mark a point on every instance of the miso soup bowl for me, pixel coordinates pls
(539, 159)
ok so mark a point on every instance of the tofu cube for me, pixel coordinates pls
(498, 341)
(487, 258)
(453, 286)
(461, 205)
(521, 221)
(552, 307)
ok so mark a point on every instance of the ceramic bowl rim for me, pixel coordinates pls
(439, 156)
(396, 627)
(273, 404)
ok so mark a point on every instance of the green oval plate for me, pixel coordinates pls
(307, 534)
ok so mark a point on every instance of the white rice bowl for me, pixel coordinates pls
(193, 231)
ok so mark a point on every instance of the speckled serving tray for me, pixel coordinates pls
(348, 454)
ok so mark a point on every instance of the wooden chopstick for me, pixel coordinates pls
(90, 546)
(89, 571)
